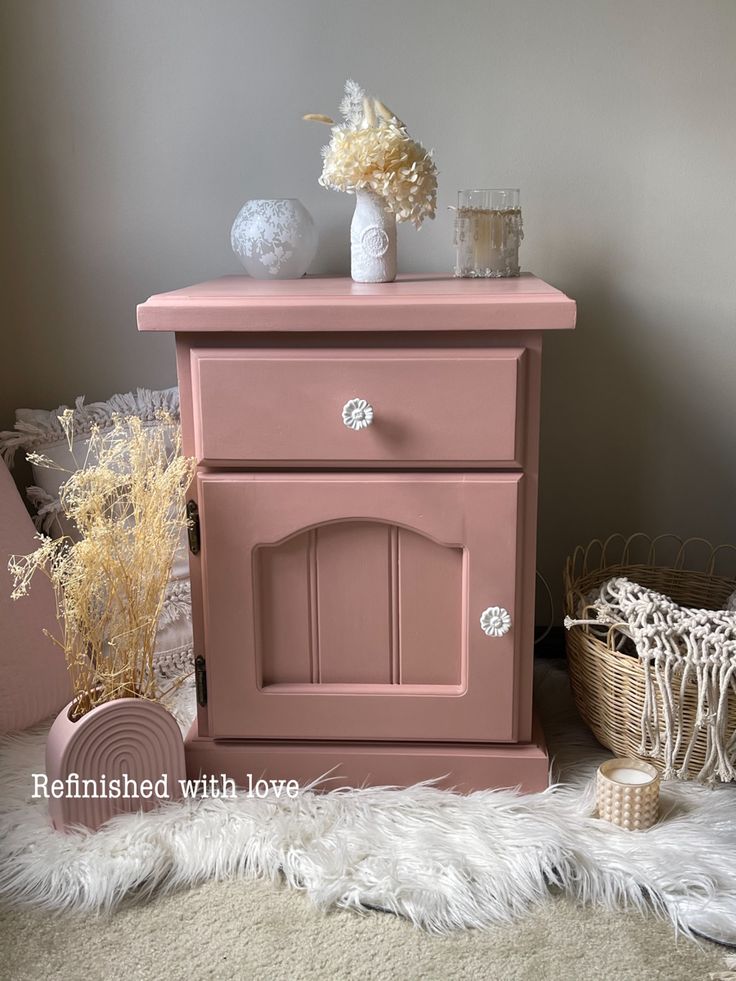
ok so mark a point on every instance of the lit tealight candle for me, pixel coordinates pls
(627, 793)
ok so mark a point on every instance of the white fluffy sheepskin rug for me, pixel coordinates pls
(442, 860)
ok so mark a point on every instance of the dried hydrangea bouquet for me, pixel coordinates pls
(392, 176)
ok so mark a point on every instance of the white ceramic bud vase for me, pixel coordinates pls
(372, 240)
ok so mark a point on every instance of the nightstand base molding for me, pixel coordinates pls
(463, 766)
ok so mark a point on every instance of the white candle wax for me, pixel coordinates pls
(627, 774)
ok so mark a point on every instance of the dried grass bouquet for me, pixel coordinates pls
(372, 151)
(127, 502)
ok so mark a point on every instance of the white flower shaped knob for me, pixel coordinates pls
(495, 621)
(357, 414)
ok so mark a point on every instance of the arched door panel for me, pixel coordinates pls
(359, 602)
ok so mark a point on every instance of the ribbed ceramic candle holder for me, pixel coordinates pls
(627, 793)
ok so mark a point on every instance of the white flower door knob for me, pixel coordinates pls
(357, 414)
(495, 621)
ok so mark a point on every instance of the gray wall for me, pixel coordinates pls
(137, 128)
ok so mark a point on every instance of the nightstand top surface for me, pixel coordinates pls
(322, 303)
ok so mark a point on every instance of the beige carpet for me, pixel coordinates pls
(243, 930)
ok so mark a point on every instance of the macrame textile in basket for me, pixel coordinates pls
(677, 647)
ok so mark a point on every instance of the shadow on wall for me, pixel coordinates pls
(634, 442)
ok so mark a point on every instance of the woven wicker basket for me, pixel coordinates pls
(608, 684)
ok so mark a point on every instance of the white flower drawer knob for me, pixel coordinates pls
(495, 621)
(357, 414)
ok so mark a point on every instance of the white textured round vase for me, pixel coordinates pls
(372, 240)
(274, 238)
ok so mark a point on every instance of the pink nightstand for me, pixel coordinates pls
(363, 564)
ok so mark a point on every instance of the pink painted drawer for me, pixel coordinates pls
(443, 408)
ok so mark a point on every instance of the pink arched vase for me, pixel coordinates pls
(127, 737)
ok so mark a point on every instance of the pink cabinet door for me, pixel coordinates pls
(348, 606)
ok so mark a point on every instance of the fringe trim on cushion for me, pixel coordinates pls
(170, 665)
(677, 646)
(48, 510)
(35, 427)
(177, 602)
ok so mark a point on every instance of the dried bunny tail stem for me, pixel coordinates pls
(318, 117)
(385, 113)
(369, 113)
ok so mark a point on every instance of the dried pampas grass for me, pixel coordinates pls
(127, 502)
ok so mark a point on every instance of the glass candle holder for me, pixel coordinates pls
(488, 231)
(627, 793)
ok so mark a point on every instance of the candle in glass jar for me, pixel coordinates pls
(488, 230)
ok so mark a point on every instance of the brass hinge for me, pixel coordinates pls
(200, 679)
(193, 527)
